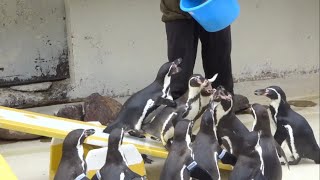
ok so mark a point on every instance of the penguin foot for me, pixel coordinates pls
(295, 162)
(155, 138)
(146, 159)
(137, 134)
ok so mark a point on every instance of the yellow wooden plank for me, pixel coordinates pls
(5, 170)
(52, 126)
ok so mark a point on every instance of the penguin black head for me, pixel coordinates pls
(115, 138)
(207, 124)
(76, 137)
(169, 69)
(207, 89)
(114, 143)
(249, 142)
(272, 92)
(223, 99)
(261, 117)
(197, 80)
(183, 130)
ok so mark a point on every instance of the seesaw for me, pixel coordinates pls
(95, 145)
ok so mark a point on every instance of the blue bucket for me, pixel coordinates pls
(212, 15)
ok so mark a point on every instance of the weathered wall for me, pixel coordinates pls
(33, 43)
(116, 46)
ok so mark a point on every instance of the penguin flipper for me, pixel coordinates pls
(153, 115)
(281, 154)
(163, 101)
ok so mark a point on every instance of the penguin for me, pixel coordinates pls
(116, 166)
(272, 165)
(180, 162)
(72, 165)
(291, 126)
(206, 147)
(141, 103)
(206, 96)
(160, 126)
(250, 164)
(175, 164)
(226, 119)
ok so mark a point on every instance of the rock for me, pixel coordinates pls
(101, 108)
(6, 134)
(71, 112)
(33, 87)
(302, 103)
(241, 103)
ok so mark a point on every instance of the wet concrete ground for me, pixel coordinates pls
(30, 159)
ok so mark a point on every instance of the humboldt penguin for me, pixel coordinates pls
(291, 126)
(206, 147)
(226, 119)
(250, 164)
(180, 162)
(72, 165)
(141, 103)
(270, 148)
(160, 125)
(116, 166)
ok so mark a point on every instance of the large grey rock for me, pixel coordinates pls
(71, 112)
(33, 87)
(101, 108)
(6, 134)
(57, 94)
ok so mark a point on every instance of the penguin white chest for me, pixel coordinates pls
(148, 105)
(80, 155)
(193, 110)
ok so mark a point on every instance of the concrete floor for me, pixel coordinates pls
(30, 159)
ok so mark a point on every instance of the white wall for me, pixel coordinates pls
(117, 46)
(30, 29)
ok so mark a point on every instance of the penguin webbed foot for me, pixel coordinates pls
(295, 162)
(146, 159)
(136, 133)
(163, 101)
(155, 138)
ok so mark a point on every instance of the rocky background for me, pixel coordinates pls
(94, 108)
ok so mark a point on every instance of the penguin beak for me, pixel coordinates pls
(89, 132)
(178, 61)
(261, 92)
(213, 78)
(175, 66)
(208, 88)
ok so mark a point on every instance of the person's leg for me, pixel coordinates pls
(216, 57)
(182, 39)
